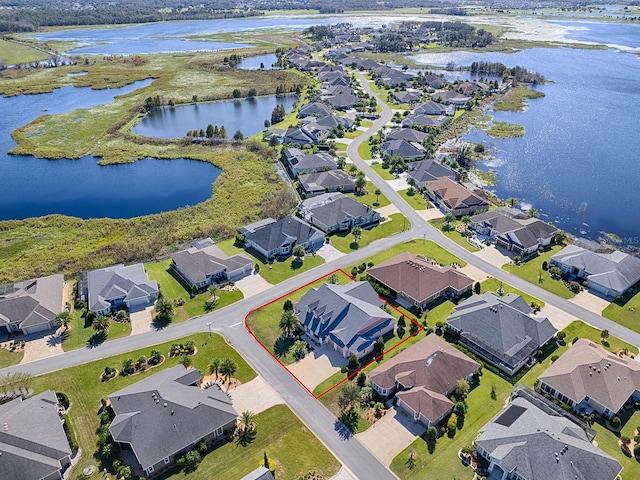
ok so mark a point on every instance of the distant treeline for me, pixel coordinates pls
(498, 69)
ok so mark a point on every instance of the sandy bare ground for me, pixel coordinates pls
(590, 301)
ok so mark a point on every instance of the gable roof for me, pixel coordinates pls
(420, 119)
(431, 108)
(587, 369)
(167, 412)
(343, 100)
(408, 134)
(349, 314)
(319, 181)
(501, 326)
(428, 170)
(407, 97)
(32, 440)
(454, 194)
(516, 227)
(31, 302)
(403, 148)
(333, 208)
(274, 234)
(315, 108)
(108, 284)
(200, 262)
(417, 277)
(538, 443)
(616, 270)
(449, 96)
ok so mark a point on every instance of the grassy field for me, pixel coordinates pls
(12, 53)
(384, 173)
(532, 269)
(515, 99)
(344, 241)
(364, 150)
(173, 287)
(493, 284)
(625, 311)
(505, 130)
(416, 200)
(282, 436)
(81, 334)
(369, 197)
(452, 233)
(427, 248)
(9, 358)
(83, 386)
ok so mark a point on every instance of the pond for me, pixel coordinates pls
(268, 62)
(33, 187)
(246, 115)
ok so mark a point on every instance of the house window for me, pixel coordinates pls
(149, 469)
(218, 431)
(586, 399)
(166, 460)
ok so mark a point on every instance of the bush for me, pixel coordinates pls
(554, 358)
(545, 265)
(452, 424)
(636, 450)
(353, 364)
(63, 400)
(575, 339)
(615, 422)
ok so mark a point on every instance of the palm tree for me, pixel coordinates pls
(227, 369)
(357, 233)
(214, 366)
(288, 323)
(64, 319)
(466, 220)
(360, 183)
(101, 324)
(533, 213)
(448, 218)
(377, 193)
(164, 307)
(245, 428)
(349, 397)
(353, 169)
(298, 252)
(512, 201)
(213, 290)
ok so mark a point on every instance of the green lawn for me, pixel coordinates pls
(173, 287)
(364, 150)
(366, 124)
(9, 358)
(625, 311)
(283, 437)
(12, 53)
(416, 200)
(344, 241)
(453, 234)
(79, 334)
(531, 269)
(580, 329)
(83, 386)
(426, 248)
(369, 197)
(384, 173)
(493, 284)
(280, 270)
(341, 147)
(354, 134)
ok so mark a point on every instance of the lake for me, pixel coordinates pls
(578, 160)
(246, 115)
(268, 62)
(33, 187)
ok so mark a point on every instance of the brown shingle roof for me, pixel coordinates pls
(430, 404)
(417, 277)
(587, 369)
(454, 194)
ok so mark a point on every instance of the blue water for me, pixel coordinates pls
(245, 115)
(253, 63)
(33, 187)
(623, 35)
(578, 160)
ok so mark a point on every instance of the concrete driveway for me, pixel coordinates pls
(41, 345)
(255, 396)
(252, 284)
(317, 366)
(329, 252)
(141, 321)
(590, 301)
(398, 184)
(558, 318)
(430, 213)
(492, 255)
(388, 210)
(474, 272)
(390, 435)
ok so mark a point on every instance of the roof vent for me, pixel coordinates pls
(618, 378)
(591, 374)
(165, 404)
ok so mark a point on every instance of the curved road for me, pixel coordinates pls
(229, 321)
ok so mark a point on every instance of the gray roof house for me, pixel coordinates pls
(260, 473)
(33, 443)
(513, 230)
(407, 96)
(610, 274)
(279, 238)
(408, 134)
(450, 97)
(167, 413)
(531, 441)
(428, 170)
(433, 108)
(333, 120)
(32, 305)
(423, 120)
(309, 134)
(589, 378)
(343, 101)
(408, 150)
(313, 184)
(500, 329)
(203, 263)
(302, 163)
(335, 212)
(347, 317)
(423, 375)
(315, 109)
(108, 288)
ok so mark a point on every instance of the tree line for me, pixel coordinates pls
(498, 69)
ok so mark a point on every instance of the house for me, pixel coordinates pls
(335, 212)
(530, 439)
(343, 101)
(203, 263)
(403, 148)
(434, 81)
(589, 378)
(451, 197)
(332, 121)
(33, 442)
(407, 97)
(313, 184)
(32, 305)
(108, 288)
(450, 97)
(347, 317)
(423, 120)
(610, 274)
(301, 163)
(278, 238)
(468, 88)
(423, 376)
(260, 473)
(408, 134)
(428, 170)
(512, 229)
(416, 281)
(309, 134)
(315, 109)
(433, 108)
(166, 414)
(500, 329)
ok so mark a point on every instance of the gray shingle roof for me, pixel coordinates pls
(501, 326)
(274, 234)
(422, 120)
(167, 412)
(32, 302)
(32, 440)
(106, 284)
(403, 148)
(513, 226)
(408, 134)
(260, 473)
(333, 208)
(312, 182)
(202, 263)
(428, 170)
(343, 100)
(315, 108)
(431, 108)
(314, 161)
(540, 445)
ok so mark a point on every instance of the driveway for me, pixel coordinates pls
(252, 284)
(388, 210)
(41, 345)
(141, 321)
(255, 396)
(390, 435)
(558, 318)
(329, 252)
(398, 184)
(317, 366)
(492, 255)
(430, 213)
(474, 273)
(590, 301)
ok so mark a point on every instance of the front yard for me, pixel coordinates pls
(344, 241)
(384, 173)
(414, 199)
(9, 358)
(493, 285)
(369, 196)
(452, 233)
(532, 272)
(625, 311)
(427, 248)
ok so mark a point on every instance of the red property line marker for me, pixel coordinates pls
(246, 324)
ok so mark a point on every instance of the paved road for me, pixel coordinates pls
(229, 322)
